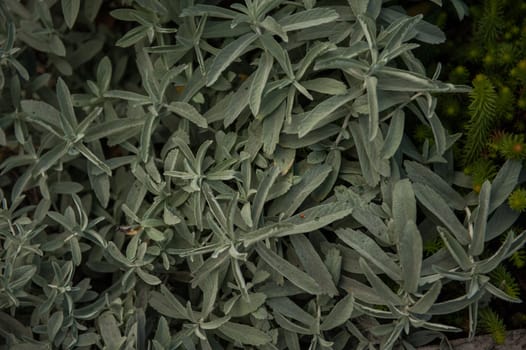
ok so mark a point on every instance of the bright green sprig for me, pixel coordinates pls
(482, 110)
(491, 323)
(517, 200)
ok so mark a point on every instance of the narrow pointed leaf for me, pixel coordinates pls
(439, 208)
(290, 326)
(425, 303)
(499, 293)
(238, 102)
(308, 19)
(167, 304)
(454, 305)
(313, 264)
(410, 254)
(369, 249)
(271, 25)
(90, 156)
(379, 286)
(50, 158)
(66, 104)
(260, 81)
(189, 112)
(272, 126)
(109, 331)
(244, 334)
(314, 118)
(227, 55)
(148, 278)
(307, 221)
(218, 322)
(455, 249)
(70, 9)
(133, 36)
(394, 135)
(278, 52)
(288, 308)
(487, 265)
(339, 314)
(146, 136)
(113, 127)
(243, 308)
(504, 183)
(404, 206)
(372, 99)
(479, 230)
(327, 86)
(209, 10)
(263, 189)
(393, 337)
(289, 271)
(423, 175)
(54, 324)
(128, 96)
(293, 199)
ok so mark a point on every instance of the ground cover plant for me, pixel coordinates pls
(218, 175)
(491, 117)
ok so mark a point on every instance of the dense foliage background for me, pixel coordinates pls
(261, 174)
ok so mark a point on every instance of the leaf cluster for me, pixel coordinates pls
(492, 57)
(216, 177)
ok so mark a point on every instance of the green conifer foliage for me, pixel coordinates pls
(491, 22)
(482, 110)
(492, 53)
(491, 323)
